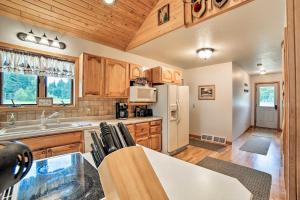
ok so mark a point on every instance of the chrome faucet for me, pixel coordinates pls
(45, 119)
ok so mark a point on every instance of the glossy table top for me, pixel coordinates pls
(68, 176)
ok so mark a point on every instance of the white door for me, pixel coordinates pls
(172, 112)
(183, 116)
(266, 105)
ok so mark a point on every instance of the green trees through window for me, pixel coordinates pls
(267, 96)
(60, 89)
(21, 88)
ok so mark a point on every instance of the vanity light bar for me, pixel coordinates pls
(30, 37)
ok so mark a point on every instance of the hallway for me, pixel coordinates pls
(271, 163)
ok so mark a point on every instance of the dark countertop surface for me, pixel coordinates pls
(68, 176)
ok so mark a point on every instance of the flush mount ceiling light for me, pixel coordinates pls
(205, 53)
(109, 2)
(262, 70)
(31, 37)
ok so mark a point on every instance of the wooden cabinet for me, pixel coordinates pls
(60, 150)
(116, 78)
(93, 76)
(155, 142)
(53, 145)
(148, 134)
(177, 77)
(136, 71)
(166, 75)
(131, 129)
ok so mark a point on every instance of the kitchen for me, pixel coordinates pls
(81, 89)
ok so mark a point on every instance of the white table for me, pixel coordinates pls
(183, 180)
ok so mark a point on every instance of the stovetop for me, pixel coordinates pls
(64, 177)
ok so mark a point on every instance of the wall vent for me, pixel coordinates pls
(213, 139)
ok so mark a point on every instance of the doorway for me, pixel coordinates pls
(267, 105)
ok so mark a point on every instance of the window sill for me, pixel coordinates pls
(36, 108)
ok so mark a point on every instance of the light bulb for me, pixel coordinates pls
(55, 43)
(44, 40)
(262, 71)
(30, 36)
(109, 2)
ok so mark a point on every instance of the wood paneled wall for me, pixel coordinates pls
(292, 109)
(150, 28)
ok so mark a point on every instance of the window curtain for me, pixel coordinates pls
(24, 63)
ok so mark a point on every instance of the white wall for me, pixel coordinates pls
(75, 46)
(212, 117)
(241, 108)
(264, 79)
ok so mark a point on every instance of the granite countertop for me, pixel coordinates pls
(27, 129)
(68, 176)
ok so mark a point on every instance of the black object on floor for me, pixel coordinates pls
(257, 144)
(206, 145)
(257, 182)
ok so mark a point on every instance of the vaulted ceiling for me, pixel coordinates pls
(114, 26)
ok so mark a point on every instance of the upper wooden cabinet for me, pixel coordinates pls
(116, 78)
(93, 76)
(166, 75)
(136, 71)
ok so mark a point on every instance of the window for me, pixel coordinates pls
(60, 89)
(19, 87)
(267, 96)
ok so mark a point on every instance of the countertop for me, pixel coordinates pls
(66, 177)
(183, 180)
(82, 124)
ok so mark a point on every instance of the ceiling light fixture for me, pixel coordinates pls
(262, 71)
(205, 53)
(44, 40)
(109, 2)
(31, 37)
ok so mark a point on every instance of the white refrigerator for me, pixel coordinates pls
(173, 105)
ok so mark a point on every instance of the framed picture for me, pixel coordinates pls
(44, 102)
(207, 92)
(164, 14)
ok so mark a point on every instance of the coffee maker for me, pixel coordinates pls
(121, 110)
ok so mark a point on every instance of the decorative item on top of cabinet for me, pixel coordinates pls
(136, 71)
(116, 78)
(92, 74)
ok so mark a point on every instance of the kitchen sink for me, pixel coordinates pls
(20, 129)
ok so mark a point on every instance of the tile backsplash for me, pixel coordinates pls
(100, 108)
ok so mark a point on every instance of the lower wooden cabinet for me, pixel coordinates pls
(147, 134)
(54, 145)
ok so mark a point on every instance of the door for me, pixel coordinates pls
(93, 76)
(266, 105)
(136, 71)
(172, 112)
(183, 116)
(116, 78)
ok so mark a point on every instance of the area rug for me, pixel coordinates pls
(206, 145)
(257, 182)
(257, 144)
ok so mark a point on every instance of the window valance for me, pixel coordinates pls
(25, 63)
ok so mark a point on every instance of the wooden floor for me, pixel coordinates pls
(270, 164)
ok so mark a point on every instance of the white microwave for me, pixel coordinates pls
(142, 94)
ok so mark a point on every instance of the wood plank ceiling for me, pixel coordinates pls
(114, 26)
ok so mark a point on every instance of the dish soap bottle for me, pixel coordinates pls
(12, 120)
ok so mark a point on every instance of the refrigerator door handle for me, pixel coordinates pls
(178, 112)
